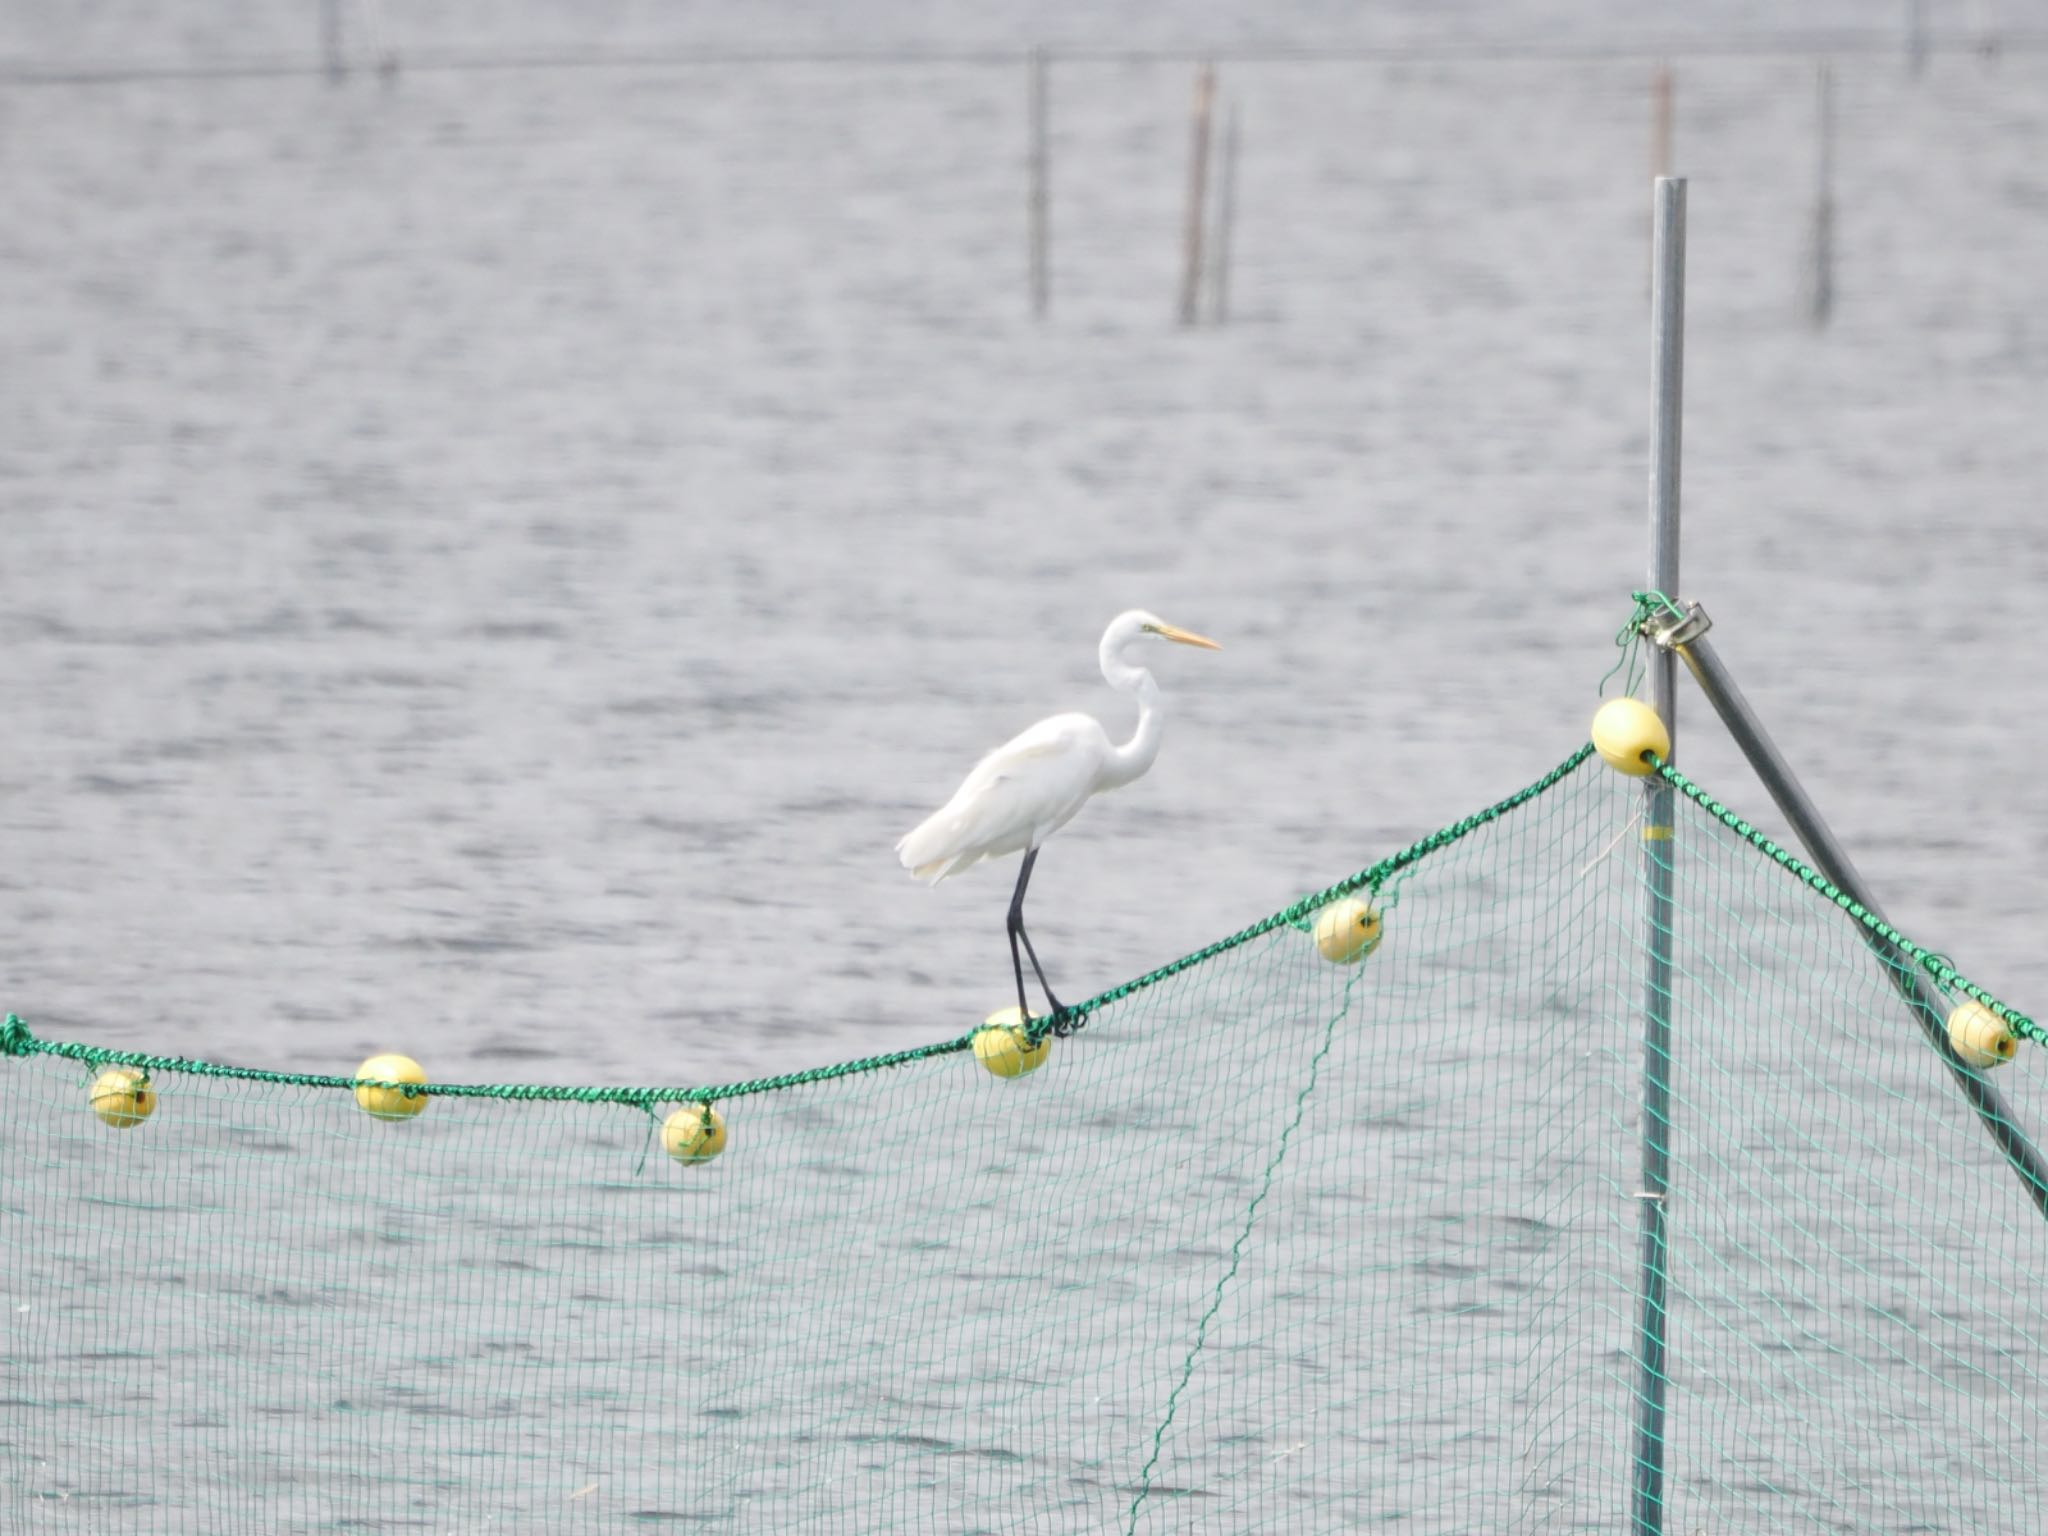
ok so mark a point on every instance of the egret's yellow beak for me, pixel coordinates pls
(1186, 637)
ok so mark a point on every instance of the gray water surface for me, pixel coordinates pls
(475, 551)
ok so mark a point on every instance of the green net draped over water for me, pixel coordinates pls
(1269, 1243)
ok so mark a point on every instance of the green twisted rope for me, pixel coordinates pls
(1937, 966)
(16, 1040)
(1374, 877)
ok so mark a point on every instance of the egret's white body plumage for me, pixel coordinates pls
(1016, 797)
(1037, 782)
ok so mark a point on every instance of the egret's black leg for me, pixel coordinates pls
(1017, 932)
(1016, 927)
(1057, 1005)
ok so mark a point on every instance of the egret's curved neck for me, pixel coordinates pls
(1131, 759)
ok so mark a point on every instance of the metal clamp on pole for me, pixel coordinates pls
(1668, 631)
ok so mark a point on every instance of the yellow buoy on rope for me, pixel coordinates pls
(694, 1133)
(1347, 931)
(1624, 730)
(1980, 1036)
(390, 1103)
(1004, 1048)
(122, 1097)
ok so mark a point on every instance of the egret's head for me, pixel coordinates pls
(1127, 629)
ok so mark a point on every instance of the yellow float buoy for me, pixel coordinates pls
(1347, 931)
(122, 1097)
(390, 1103)
(1002, 1046)
(693, 1134)
(1980, 1036)
(1625, 729)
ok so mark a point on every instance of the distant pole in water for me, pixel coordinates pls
(330, 39)
(1916, 37)
(1198, 187)
(1822, 281)
(1041, 171)
(1226, 218)
(1985, 33)
(380, 47)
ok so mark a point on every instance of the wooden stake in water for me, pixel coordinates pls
(1041, 173)
(1198, 188)
(1226, 217)
(330, 39)
(1916, 37)
(377, 42)
(1821, 286)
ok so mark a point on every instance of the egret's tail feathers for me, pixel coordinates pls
(931, 851)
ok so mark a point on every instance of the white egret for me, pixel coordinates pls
(1030, 787)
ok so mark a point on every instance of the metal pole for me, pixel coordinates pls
(1667, 370)
(1041, 170)
(1660, 152)
(1660, 124)
(1198, 184)
(1929, 1009)
(1226, 217)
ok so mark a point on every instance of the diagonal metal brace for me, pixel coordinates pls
(1928, 1007)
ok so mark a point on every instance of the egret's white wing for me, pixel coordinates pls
(1016, 797)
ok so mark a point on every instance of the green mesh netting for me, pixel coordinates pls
(1269, 1244)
